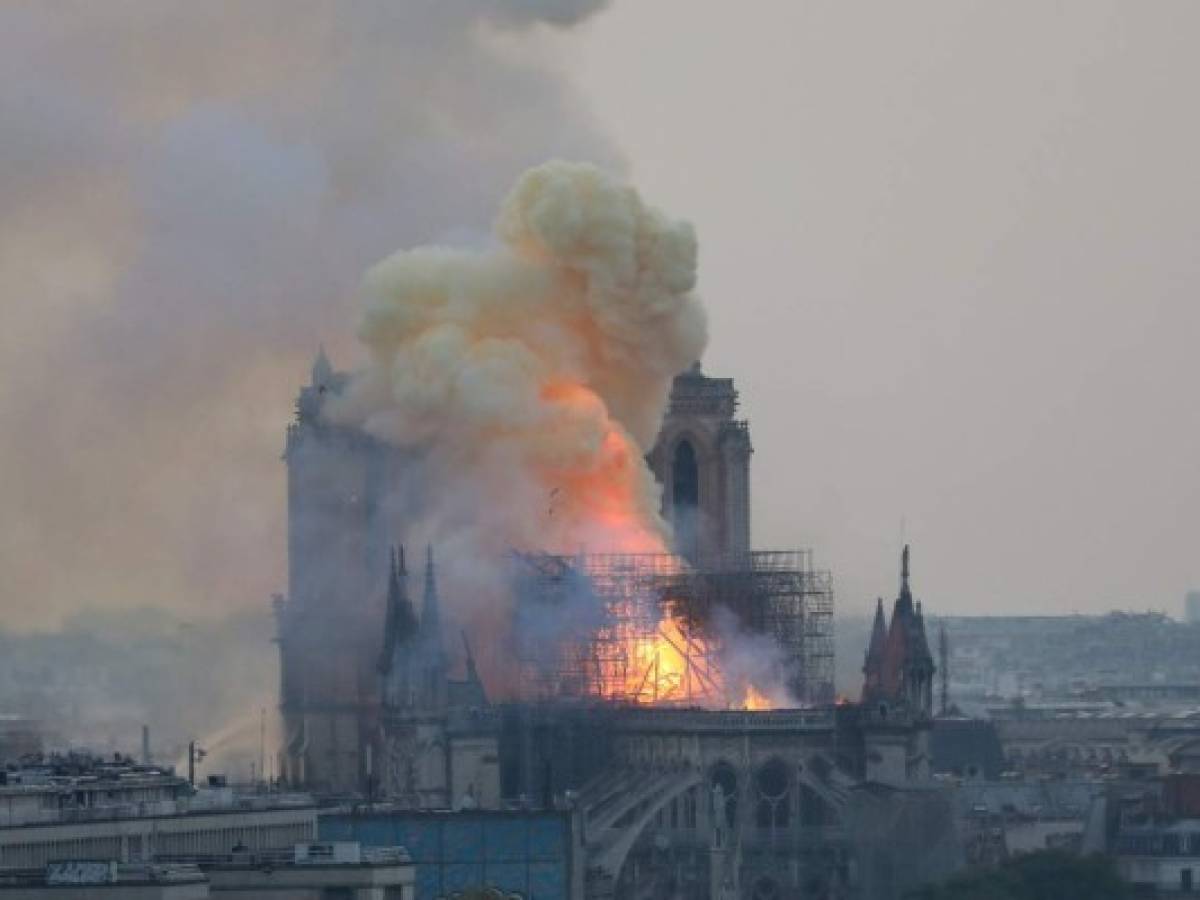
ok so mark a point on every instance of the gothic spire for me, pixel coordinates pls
(400, 623)
(430, 618)
(322, 370)
(878, 636)
(873, 662)
(905, 601)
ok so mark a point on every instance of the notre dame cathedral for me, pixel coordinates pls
(346, 681)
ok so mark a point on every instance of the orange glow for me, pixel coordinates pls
(599, 487)
(600, 498)
(670, 667)
(756, 700)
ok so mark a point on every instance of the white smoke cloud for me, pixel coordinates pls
(533, 377)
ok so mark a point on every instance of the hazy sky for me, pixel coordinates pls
(949, 252)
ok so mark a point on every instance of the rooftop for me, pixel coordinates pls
(81, 788)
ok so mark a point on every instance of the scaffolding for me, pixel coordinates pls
(653, 628)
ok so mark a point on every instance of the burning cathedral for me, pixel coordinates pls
(672, 688)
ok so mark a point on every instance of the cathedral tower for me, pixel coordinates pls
(702, 461)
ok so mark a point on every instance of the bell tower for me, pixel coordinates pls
(702, 461)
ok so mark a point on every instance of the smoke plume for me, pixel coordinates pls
(531, 378)
(188, 195)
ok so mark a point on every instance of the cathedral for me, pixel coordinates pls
(372, 699)
(344, 682)
(823, 800)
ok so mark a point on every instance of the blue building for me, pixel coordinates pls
(528, 854)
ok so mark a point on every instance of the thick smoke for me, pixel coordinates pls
(188, 195)
(533, 377)
(93, 683)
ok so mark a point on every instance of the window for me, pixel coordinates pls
(685, 498)
(773, 808)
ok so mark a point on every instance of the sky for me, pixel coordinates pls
(949, 252)
(947, 249)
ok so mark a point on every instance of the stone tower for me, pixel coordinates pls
(366, 698)
(702, 461)
(339, 530)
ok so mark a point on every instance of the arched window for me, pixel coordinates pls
(771, 782)
(685, 498)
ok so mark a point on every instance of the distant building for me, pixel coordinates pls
(305, 872)
(530, 853)
(312, 871)
(967, 748)
(19, 736)
(1000, 819)
(1191, 607)
(78, 808)
(1156, 836)
(1057, 658)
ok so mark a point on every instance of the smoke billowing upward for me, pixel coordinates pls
(188, 194)
(533, 376)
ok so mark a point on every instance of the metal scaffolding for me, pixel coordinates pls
(649, 628)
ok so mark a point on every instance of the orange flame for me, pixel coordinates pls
(601, 488)
(670, 666)
(756, 700)
(600, 495)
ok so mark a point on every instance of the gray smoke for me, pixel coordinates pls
(188, 195)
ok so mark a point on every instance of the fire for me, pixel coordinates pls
(670, 667)
(598, 486)
(756, 700)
